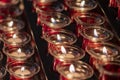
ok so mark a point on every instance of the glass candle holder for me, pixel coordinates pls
(95, 34)
(66, 54)
(42, 11)
(75, 71)
(87, 19)
(53, 20)
(11, 8)
(18, 54)
(63, 37)
(22, 71)
(102, 52)
(16, 39)
(109, 70)
(3, 72)
(11, 25)
(78, 6)
(43, 2)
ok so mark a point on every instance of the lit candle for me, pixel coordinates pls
(22, 71)
(11, 25)
(102, 52)
(87, 19)
(75, 70)
(18, 53)
(95, 34)
(66, 54)
(77, 6)
(61, 37)
(15, 39)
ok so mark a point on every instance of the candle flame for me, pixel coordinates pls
(22, 69)
(53, 20)
(19, 50)
(63, 49)
(104, 50)
(10, 24)
(95, 33)
(14, 36)
(58, 37)
(72, 68)
(82, 3)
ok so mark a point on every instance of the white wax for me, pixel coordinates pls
(15, 40)
(71, 75)
(22, 72)
(18, 54)
(67, 55)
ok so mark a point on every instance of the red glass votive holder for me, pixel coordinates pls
(18, 54)
(53, 20)
(61, 37)
(22, 71)
(95, 34)
(16, 39)
(87, 19)
(75, 70)
(66, 54)
(11, 8)
(11, 25)
(78, 6)
(102, 52)
(3, 72)
(109, 70)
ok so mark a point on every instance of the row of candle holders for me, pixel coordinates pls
(104, 56)
(18, 48)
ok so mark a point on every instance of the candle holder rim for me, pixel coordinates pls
(75, 62)
(15, 57)
(81, 8)
(19, 44)
(98, 56)
(20, 22)
(44, 1)
(97, 27)
(81, 53)
(62, 31)
(89, 14)
(29, 63)
(57, 25)
(102, 69)
(39, 8)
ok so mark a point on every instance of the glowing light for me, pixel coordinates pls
(63, 50)
(72, 68)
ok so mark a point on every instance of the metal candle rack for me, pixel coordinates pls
(46, 58)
